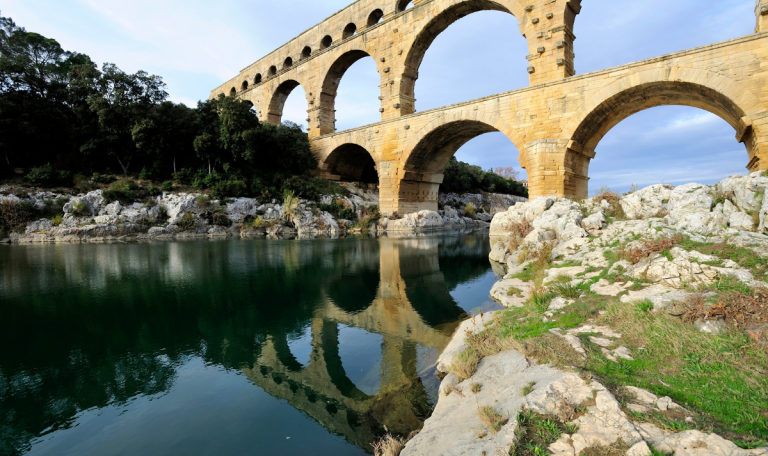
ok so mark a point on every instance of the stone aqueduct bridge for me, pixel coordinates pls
(556, 123)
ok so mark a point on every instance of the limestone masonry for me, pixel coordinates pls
(556, 123)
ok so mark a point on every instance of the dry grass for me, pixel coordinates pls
(465, 363)
(615, 210)
(476, 388)
(519, 231)
(649, 247)
(740, 310)
(618, 448)
(388, 446)
(491, 418)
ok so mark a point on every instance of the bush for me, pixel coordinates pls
(231, 188)
(167, 186)
(103, 178)
(15, 215)
(126, 191)
(154, 191)
(81, 208)
(187, 222)
(338, 210)
(469, 210)
(51, 208)
(48, 176)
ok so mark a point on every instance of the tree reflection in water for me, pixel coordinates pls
(89, 326)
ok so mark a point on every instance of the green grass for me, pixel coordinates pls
(536, 432)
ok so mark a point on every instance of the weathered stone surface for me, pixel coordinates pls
(596, 221)
(647, 202)
(457, 345)
(713, 327)
(511, 292)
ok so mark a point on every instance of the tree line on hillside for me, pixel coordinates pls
(64, 119)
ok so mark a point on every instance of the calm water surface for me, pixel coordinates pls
(228, 348)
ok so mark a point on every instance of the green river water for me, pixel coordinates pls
(246, 347)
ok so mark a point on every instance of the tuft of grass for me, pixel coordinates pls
(476, 388)
(203, 201)
(469, 210)
(535, 432)
(80, 208)
(514, 292)
(491, 418)
(541, 296)
(618, 448)
(388, 445)
(644, 306)
(465, 363)
(567, 290)
(528, 389)
(57, 220)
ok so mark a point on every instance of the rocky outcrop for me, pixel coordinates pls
(89, 218)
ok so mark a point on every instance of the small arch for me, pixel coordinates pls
(287, 63)
(331, 84)
(375, 17)
(433, 152)
(403, 5)
(277, 103)
(349, 31)
(272, 70)
(352, 163)
(306, 52)
(233, 92)
(428, 34)
(257, 79)
(244, 85)
(326, 42)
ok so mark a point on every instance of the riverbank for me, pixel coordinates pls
(637, 325)
(96, 217)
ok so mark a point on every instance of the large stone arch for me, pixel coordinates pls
(350, 162)
(420, 170)
(330, 85)
(443, 16)
(669, 86)
(278, 98)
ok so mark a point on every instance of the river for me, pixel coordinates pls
(246, 347)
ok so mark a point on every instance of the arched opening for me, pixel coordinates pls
(272, 70)
(257, 79)
(326, 42)
(427, 166)
(375, 17)
(349, 30)
(403, 5)
(609, 113)
(244, 85)
(306, 52)
(351, 163)
(358, 102)
(277, 104)
(670, 144)
(233, 92)
(287, 63)
(464, 51)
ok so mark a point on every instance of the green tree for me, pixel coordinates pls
(122, 103)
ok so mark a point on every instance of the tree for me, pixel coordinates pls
(167, 134)
(122, 103)
(508, 173)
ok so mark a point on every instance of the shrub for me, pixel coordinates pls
(167, 186)
(232, 188)
(103, 178)
(614, 210)
(15, 215)
(153, 191)
(469, 210)
(203, 201)
(126, 191)
(48, 176)
(338, 209)
(81, 208)
(56, 221)
(55, 207)
(187, 222)
(290, 206)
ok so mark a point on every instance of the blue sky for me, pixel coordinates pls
(196, 45)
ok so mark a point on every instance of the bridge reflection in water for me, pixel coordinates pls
(140, 311)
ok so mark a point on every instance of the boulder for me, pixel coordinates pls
(596, 221)
(647, 202)
(689, 199)
(741, 221)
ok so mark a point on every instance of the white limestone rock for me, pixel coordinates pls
(457, 344)
(93, 199)
(741, 221)
(511, 292)
(596, 221)
(647, 202)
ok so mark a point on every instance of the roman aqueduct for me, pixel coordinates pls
(556, 123)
